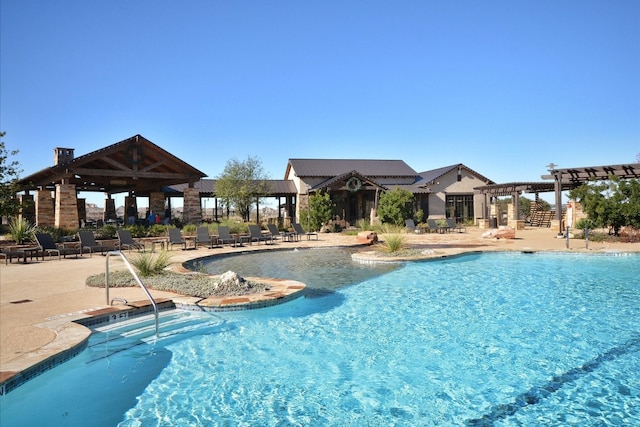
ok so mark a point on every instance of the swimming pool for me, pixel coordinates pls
(482, 339)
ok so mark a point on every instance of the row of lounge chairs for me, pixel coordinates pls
(46, 246)
(433, 226)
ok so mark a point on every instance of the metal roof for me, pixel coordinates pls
(277, 187)
(428, 177)
(305, 168)
(345, 177)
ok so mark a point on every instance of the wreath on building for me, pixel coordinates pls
(354, 184)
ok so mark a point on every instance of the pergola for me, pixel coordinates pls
(563, 180)
(135, 166)
(574, 177)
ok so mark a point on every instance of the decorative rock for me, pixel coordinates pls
(504, 232)
(367, 237)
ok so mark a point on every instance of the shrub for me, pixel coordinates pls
(395, 206)
(189, 229)
(157, 230)
(394, 243)
(364, 225)
(149, 263)
(106, 232)
(20, 230)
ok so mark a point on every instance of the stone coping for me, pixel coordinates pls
(72, 331)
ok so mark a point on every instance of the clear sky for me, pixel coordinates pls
(504, 87)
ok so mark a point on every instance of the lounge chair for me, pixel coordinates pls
(434, 227)
(453, 226)
(203, 237)
(175, 238)
(277, 234)
(411, 226)
(255, 235)
(224, 236)
(88, 242)
(49, 247)
(299, 231)
(125, 241)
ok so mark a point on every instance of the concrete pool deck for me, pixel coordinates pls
(40, 299)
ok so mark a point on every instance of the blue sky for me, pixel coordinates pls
(505, 87)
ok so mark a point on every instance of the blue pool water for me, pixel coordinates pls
(485, 339)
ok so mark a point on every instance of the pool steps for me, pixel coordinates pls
(115, 337)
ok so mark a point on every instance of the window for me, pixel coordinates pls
(460, 207)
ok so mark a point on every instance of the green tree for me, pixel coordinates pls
(322, 209)
(9, 174)
(614, 203)
(395, 206)
(241, 184)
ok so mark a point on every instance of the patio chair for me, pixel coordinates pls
(88, 242)
(255, 235)
(49, 247)
(175, 238)
(453, 226)
(277, 234)
(125, 241)
(299, 231)
(410, 225)
(203, 237)
(434, 227)
(224, 236)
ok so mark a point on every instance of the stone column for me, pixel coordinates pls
(191, 211)
(45, 209)
(66, 207)
(156, 203)
(109, 209)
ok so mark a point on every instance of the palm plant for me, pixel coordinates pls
(20, 230)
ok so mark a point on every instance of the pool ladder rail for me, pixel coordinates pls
(135, 276)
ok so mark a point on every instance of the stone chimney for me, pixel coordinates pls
(62, 155)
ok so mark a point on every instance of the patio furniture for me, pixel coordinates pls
(175, 238)
(126, 241)
(453, 226)
(277, 234)
(434, 227)
(255, 235)
(88, 241)
(49, 247)
(299, 231)
(204, 238)
(411, 226)
(8, 255)
(224, 236)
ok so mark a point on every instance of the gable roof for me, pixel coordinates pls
(428, 177)
(345, 177)
(305, 168)
(132, 164)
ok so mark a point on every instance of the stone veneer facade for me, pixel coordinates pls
(45, 209)
(66, 213)
(192, 211)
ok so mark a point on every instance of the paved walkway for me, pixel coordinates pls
(41, 291)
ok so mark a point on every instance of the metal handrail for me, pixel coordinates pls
(135, 276)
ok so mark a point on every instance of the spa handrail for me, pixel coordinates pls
(135, 276)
